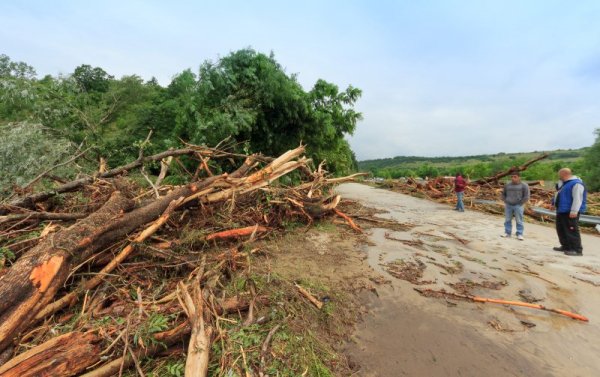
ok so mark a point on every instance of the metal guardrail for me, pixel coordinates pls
(594, 220)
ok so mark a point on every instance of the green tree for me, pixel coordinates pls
(17, 89)
(591, 165)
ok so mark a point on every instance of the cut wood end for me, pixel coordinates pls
(84, 242)
(42, 275)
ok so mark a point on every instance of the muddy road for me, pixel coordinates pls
(407, 334)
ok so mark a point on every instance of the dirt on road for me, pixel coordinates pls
(407, 334)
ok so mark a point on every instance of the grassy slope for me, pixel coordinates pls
(410, 162)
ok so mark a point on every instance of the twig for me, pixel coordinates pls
(40, 176)
(150, 182)
(265, 348)
(310, 297)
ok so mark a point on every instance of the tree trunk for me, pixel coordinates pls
(65, 355)
(31, 283)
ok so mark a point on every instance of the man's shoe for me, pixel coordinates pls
(505, 235)
(573, 253)
(559, 248)
(520, 237)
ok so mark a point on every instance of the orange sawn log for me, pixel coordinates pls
(239, 232)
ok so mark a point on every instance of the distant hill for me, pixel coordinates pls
(476, 166)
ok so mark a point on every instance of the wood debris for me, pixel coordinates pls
(123, 267)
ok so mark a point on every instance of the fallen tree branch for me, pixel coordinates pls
(42, 216)
(199, 346)
(309, 296)
(235, 233)
(30, 200)
(431, 292)
(41, 175)
(510, 171)
(348, 220)
(33, 280)
(265, 348)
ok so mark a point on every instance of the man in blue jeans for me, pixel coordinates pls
(515, 194)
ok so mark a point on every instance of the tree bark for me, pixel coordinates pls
(63, 356)
(31, 283)
(199, 346)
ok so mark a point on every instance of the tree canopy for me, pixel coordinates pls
(592, 164)
(246, 96)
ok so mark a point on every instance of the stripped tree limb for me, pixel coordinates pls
(235, 233)
(265, 348)
(42, 216)
(30, 200)
(510, 171)
(309, 296)
(164, 168)
(199, 346)
(430, 292)
(348, 220)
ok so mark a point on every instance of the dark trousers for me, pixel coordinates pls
(568, 232)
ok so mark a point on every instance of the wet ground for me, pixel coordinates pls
(407, 334)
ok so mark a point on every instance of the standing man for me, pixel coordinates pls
(459, 188)
(515, 194)
(570, 203)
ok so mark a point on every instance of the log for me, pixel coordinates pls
(97, 279)
(196, 364)
(33, 280)
(65, 355)
(235, 233)
(510, 171)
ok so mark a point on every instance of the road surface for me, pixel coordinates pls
(407, 334)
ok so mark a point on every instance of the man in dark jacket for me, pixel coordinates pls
(515, 194)
(569, 201)
(459, 188)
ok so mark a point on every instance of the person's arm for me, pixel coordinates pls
(577, 199)
(525, 194)
(504, 193)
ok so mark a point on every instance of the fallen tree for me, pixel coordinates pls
(40, 284)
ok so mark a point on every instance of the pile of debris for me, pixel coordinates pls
(486, 194)
(69, 305)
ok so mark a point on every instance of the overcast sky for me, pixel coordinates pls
(438, 77)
